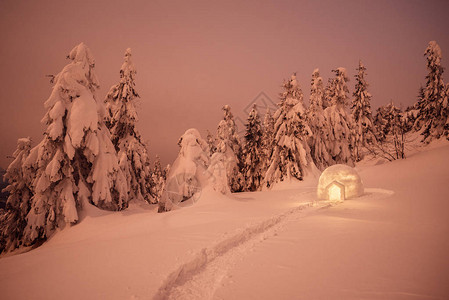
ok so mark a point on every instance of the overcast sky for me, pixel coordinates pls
(192, 57)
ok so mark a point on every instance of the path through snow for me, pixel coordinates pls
(202, 276)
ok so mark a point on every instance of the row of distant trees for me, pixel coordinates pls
(92, 153)
(333, 129)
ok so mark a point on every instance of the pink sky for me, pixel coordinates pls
(193, 57)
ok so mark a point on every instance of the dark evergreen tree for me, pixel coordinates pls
(267, 140)
(253, 152)
(338, 129)
(432, 120)
(317, 123)
(122, 118)
(363, 128)
(228, 144)
(158, 177)
(18, 205)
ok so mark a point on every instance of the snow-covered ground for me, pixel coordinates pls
(391, 243)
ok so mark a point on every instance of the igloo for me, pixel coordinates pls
(339, 182)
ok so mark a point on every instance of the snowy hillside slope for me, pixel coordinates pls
(392, 247)
(391, 243)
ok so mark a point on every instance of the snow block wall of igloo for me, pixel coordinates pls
(339, 182)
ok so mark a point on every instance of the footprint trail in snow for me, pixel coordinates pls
(202, 276)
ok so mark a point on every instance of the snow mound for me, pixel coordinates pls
(339, 182)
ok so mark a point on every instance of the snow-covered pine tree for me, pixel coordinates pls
(158, 179)
(18, 176)
(338, 129)
(253, 152)
(317, 123)
(362, 120)
(432, 120)
(228, 143)
(291, 154)
(125, 89)
(188, 175)
(75, 164)
(121, 118)
(267, 140)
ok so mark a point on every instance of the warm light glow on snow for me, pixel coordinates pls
(339, 179)
(335, 193)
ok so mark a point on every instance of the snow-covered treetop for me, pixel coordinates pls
(227, 112)
(73, 91)
(316, 91)
(361, 65)
(82, 56)
(433, 53)
(81, 53)
(23, 143)
(23, 146)
(227, 129)
(435, 87)
(121, 115)
(292, 93)
(361, 84)
(193, 148)
(192, 136)
(340, 89)
(293, 80)
(253, 113)
(128, 71)
(75, 76)
(342, 72)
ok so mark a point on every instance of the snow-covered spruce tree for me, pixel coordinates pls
(18, 176)
(253, 152)
(121, 119)
(188, 174)
(75, 164)
(317, 123)
(158, 177)
(432, 120)
(267, 140)
(338, 129)
(291, 154)
(362, 120)
(228, 143)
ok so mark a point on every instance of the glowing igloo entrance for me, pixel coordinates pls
(339, 182)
